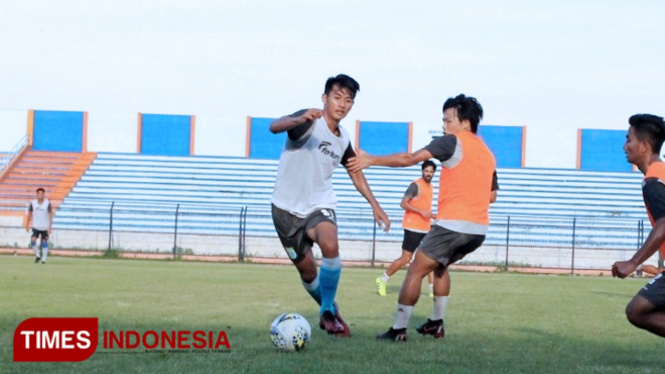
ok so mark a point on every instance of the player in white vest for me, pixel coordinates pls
(303, 202)
(41, 215)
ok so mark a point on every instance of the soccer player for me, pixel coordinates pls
(467, 186)
(303, 202)
(643, 144)
(40, 214)
(417, 205)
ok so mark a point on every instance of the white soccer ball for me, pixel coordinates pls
(290, 332)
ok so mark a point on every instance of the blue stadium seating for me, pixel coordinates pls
(212, 191)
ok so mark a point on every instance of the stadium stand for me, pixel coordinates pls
(210, 193)
(55, 172)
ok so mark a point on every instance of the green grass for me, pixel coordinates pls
(495, 322)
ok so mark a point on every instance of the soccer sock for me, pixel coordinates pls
(331, 270)
(439, 307)
(431, 287)
(385, 277)
(33, 244)
(313, 289)
(44, 250)
(402, 316)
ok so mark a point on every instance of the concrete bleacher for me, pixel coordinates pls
(212, 192)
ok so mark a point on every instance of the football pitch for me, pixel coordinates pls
(495, 323)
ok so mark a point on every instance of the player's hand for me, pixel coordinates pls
(381, 218)
(623, 269)
(310, 115)
(427, 214)
(360, 161)
(49, 231)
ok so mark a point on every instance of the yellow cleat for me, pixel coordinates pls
(380, 286)
(431, 294)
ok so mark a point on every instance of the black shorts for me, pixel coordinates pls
(654, 291)
(412, 240)
(446, 247)
(37, 233)
(292, 230)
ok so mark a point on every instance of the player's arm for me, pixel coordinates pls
(304, 117)
(654, 199)
(442, 148)
(495, 188)
(410, 193)
(28, 217)
(360, 182)
(50, 217)
(363, 160)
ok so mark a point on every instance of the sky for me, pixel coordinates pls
(551, 66)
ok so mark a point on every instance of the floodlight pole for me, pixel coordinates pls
(572, 264)
(111, 224)
(507, 242)
(175, 236)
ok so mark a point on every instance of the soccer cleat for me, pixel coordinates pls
(431, 294)
(396, 335)
(43, 262)
(347, 332)
(381, 286)
(36, 260)
(329, 323)
(434, 328)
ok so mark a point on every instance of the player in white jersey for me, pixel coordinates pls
(303, 202)
(41, 215)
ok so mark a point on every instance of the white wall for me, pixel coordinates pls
(13, 125)
(220, 136)
(548, 148)
(112, 132)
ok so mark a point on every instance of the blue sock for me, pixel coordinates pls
(44, 250)
(313, 289)
(331, 270)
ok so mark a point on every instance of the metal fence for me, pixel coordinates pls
(516, 240)
(7, 158)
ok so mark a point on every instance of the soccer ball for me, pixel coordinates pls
(290, 332)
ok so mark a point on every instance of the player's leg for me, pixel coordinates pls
(430, 280)
(45, 238)
(394, 266)
(298, 247)
(647, 309)
(325, 235)
(408, 296)
(33, 244)
(410, 243)
(651, 270)
(434, 324)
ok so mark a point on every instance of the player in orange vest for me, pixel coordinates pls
(417, 205)
(643, 144)
(467, 186)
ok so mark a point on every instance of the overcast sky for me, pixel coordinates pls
(548, 65)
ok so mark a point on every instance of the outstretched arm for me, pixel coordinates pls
(364, 160)
(360, 182)
(623, 269)
(291, 121)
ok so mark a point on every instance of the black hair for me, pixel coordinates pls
(428, 163)
(468, 108)
(649, 128)
(40, 189)
(342, 81)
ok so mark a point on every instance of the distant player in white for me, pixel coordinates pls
(303, 202)
(41, 215)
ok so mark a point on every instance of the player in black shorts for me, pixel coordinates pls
(643, 144)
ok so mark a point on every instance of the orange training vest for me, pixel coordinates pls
(413, 221)
(464, 190)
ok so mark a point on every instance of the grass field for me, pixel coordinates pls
(495, 322)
